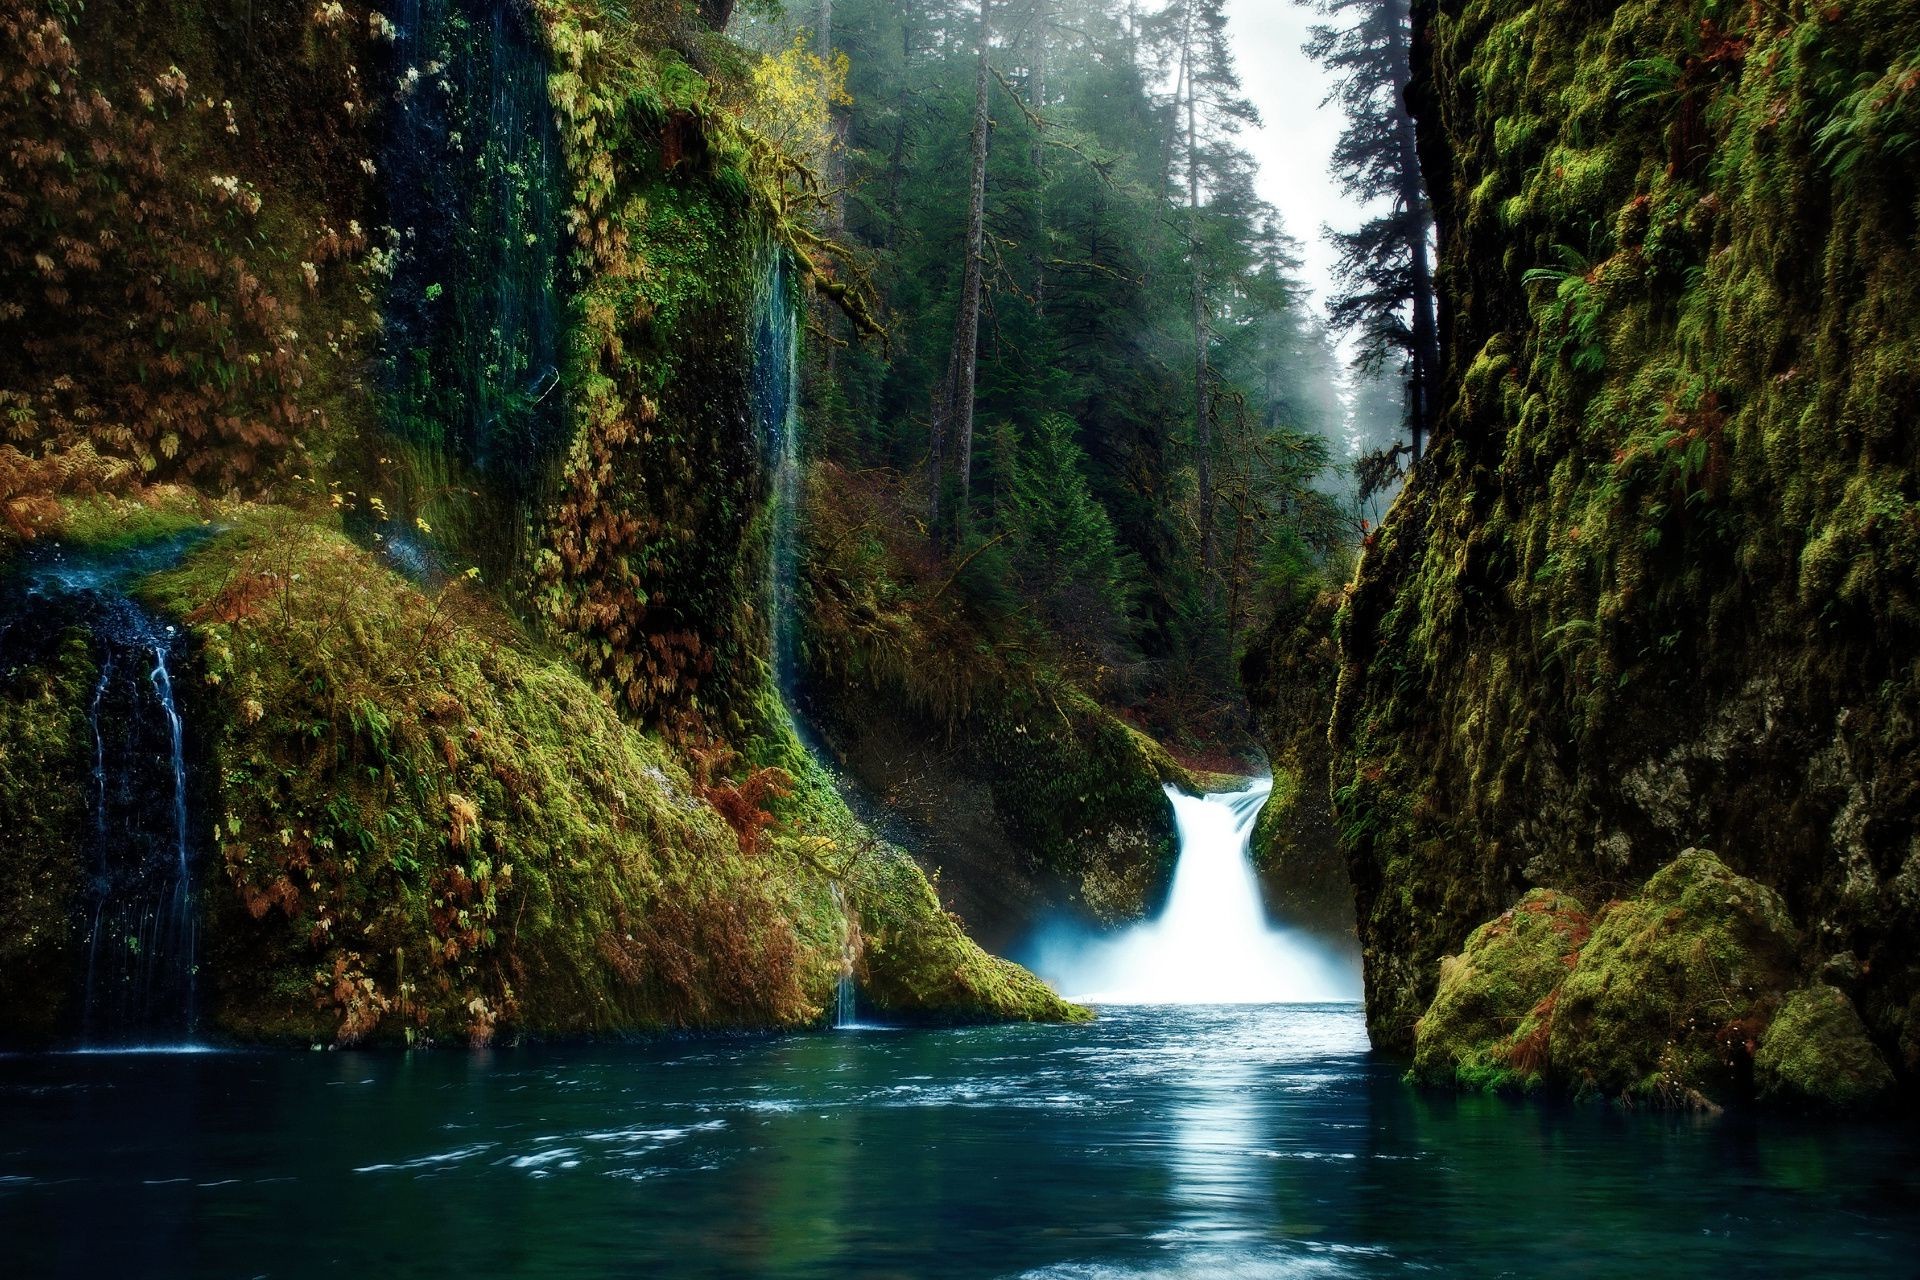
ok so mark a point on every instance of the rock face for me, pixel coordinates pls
(1655, 585)
(1681, 996)
(449, 313)
(1289, 676)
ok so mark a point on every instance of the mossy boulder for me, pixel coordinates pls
(1816, 1055)
(1488, 1025)
(1675, 987)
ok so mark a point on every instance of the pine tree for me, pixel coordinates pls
(1386, 272)
(955, 410)
(1192, 38)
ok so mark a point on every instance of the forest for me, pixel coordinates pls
(820, 637)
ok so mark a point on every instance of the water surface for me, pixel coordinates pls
(1249, 1141)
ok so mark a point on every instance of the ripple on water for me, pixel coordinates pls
(458, 1155)
(1203, 1264)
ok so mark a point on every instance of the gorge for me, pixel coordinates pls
(795, 642)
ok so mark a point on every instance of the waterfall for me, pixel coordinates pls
(1212, 942)
(141, 925)
(775, 394)
(472, 171)
(845, 1015)
(776, 401)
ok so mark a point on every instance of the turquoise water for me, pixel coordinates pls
(1230, 1142)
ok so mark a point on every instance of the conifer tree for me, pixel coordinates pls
(1191, 36)
(1386, 272)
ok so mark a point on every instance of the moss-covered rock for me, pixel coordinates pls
(916, 962)
(1288, 671)
(1816, 1054)
(1653, 585)
(426, 824)
(1490, 1020)
(1673, 990)
(46, 758)
(430, 818)
(1028, 796)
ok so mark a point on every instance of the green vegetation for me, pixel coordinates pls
(1030, 793)
(1816, 1054)
(1680, 996)
(46, 755)
(534, 797)
(1490, 1019)
(1675, 986)
(1652, 586)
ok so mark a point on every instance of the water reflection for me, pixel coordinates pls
(1255, 1142)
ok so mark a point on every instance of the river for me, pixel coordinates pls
(1229, 1141)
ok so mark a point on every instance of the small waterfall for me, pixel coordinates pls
(776, 401)
(845, 1016)
(141, 932)
(775, 393)
(1211, 943)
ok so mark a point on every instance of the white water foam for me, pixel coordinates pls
(1212, 944)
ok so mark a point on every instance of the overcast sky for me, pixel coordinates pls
(1295, 140)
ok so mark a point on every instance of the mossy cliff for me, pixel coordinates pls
(485, 741)
(1288, 672)
(1654, 586)
(1029, 798)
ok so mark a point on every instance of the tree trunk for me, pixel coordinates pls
(963, 364)
(1202, 408)
(716, 13)
(1042, 17)
(1424, 358)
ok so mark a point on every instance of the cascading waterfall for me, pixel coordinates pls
(776, 402)
(1212, 942)
(141, 925)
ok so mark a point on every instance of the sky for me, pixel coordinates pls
(1294, 143)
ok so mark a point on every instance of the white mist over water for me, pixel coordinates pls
(1212, 943)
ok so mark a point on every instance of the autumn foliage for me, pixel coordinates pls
(148, 324)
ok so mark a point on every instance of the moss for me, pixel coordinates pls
(1488, 1025)
(1028, 794)
(1816, 1054)
(916, 961)
(1288, 672)
(427, 825)
(1673, 990)
(46, 755)
(1653, 585)
(430, 820)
